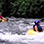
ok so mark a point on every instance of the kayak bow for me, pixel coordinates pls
(31, 32)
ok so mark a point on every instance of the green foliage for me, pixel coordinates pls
(22, 8)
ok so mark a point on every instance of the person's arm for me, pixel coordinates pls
(3, 18)
(36, 29)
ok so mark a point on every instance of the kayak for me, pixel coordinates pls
(3, 21)
(31, 32)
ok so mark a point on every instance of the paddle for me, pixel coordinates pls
(42, 19)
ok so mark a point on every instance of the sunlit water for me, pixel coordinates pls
(14, 32)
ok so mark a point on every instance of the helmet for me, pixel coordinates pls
(37, 21)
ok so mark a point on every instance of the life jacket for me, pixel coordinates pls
(39, 28)
(1, 17)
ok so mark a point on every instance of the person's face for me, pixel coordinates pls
(39, 23)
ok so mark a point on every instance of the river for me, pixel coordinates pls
(14, 32)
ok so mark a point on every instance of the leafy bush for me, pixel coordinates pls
(22, 8)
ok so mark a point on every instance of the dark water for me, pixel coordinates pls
(13, 31)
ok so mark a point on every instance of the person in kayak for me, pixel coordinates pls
(37, 26)
(1, 17)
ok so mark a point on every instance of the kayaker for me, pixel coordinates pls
(1, 17)
(37, 26)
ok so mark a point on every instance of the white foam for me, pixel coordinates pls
(18, 38)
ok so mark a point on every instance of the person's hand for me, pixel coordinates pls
(4, 18)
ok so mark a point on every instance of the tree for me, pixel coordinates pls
(22, 8)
